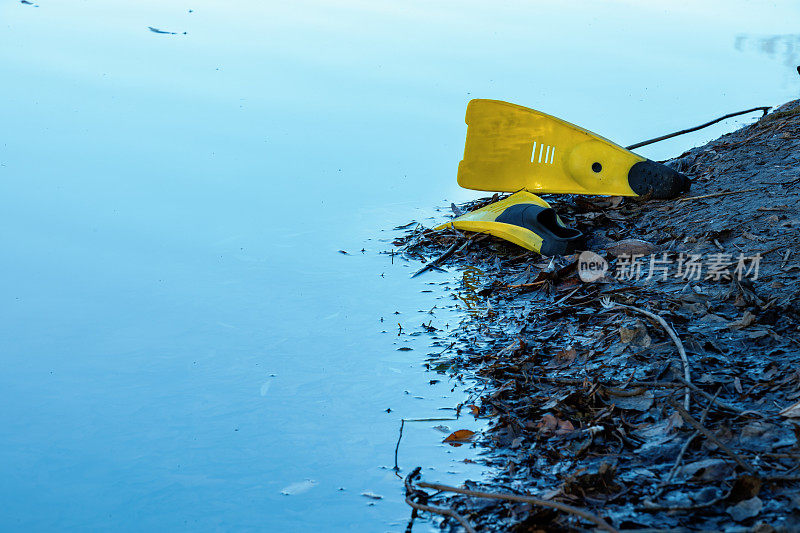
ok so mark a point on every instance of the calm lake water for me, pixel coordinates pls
(181, 338)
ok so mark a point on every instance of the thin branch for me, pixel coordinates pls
(713, 438)
(411, 493)
(653, 508)
(397, 447)
(441, 511)
(714, 195)
(609, 304)
(525, 499)
(781, 478)
(717, 401)
(700, 127)
(450, 251)
(688, 441)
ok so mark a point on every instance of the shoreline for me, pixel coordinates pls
(587, 383)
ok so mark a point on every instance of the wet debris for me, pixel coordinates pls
(164, 32)
(660, 390)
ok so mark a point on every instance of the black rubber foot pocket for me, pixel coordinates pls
(648, 178)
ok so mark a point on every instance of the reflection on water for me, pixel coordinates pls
(783, 47)
(470, 285)
(184, 347)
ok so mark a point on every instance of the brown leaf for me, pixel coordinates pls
(564, 426)
(747, 319)
(551, 425)
(562, 359)
(475, 410)
(462, 435)
(631, 247)
(637, 335)
(744, 488)
(547, 424)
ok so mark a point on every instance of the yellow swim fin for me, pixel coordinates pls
(510, 147)
(524, 219)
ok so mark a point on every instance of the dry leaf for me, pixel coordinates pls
(793, 411)
(747, 319)
(745, 509)
(631, 247)
(462, 435)
(475, 410)
(637, 335)
(550, 424)
(642, 402)
(562, 359)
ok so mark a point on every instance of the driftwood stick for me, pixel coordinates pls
(441, 511)
(525, 499)
(450, 251)
(713, 438)
(609, 304)
(412, 493)
(700, 127)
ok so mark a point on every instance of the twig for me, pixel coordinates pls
(565, 298)
(688, 441)
(610, 383)
(397, 447)
(411, 492)
(651, 507)
(524, 499)
(717, 402)
(701, 126)
(435, 263)
(400, 437)
(526, 285)
(714, 195)
(781, 478)
(607, 303)
(713, 438)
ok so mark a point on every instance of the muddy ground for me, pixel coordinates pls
(585, 393)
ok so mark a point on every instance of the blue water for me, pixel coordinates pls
(181, 338)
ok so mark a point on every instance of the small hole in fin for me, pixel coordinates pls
(597, 167)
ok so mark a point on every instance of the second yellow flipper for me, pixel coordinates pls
(524, 219)
(510, 147)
